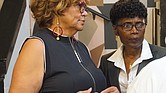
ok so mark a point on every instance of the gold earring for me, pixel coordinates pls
(58, 31)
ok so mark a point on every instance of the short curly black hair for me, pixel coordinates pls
(127, 9)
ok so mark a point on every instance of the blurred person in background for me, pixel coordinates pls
(151, 79)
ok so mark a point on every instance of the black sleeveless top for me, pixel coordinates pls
(64, 73)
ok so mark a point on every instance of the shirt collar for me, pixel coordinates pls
(118, 60)
(146, 51)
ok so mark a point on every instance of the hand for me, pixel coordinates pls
(111, 89)
(85, 91)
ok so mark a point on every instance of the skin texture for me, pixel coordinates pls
(133, 38)
(72, 21)
(111, 89)
(29, 69)
(132, 41)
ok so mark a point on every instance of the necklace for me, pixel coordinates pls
(75, 52)
(80, 61)
(57, 37)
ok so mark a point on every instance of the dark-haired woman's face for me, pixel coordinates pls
(131, 31)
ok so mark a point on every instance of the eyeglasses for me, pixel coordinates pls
(128, 26)
(83, 7)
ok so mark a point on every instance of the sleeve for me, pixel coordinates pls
(143, 83)
(151, 79)
(102, 65)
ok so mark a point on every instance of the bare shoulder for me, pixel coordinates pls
(28, 67)
(32, 50)
(31, 55)
(34, 43)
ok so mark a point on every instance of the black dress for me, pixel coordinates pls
(64, 73)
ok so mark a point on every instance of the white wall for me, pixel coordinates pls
(113, 1)
(110, 1)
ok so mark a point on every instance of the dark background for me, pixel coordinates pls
(11, 15)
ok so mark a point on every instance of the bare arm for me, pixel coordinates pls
(29, 69)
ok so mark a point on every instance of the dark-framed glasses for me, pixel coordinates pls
(128, 26)
(83, 7)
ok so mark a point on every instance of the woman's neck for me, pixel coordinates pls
(64, 33)
(130, 55)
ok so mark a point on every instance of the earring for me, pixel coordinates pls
(58, 31)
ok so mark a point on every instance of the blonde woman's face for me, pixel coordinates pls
(74, 17)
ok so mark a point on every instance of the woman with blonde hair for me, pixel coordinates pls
(52, 60)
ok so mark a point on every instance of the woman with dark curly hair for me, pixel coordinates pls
(52, 60)
(120, 67)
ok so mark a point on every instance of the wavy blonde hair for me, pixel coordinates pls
(44, 11)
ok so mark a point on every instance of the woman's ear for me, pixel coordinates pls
(115, 30)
